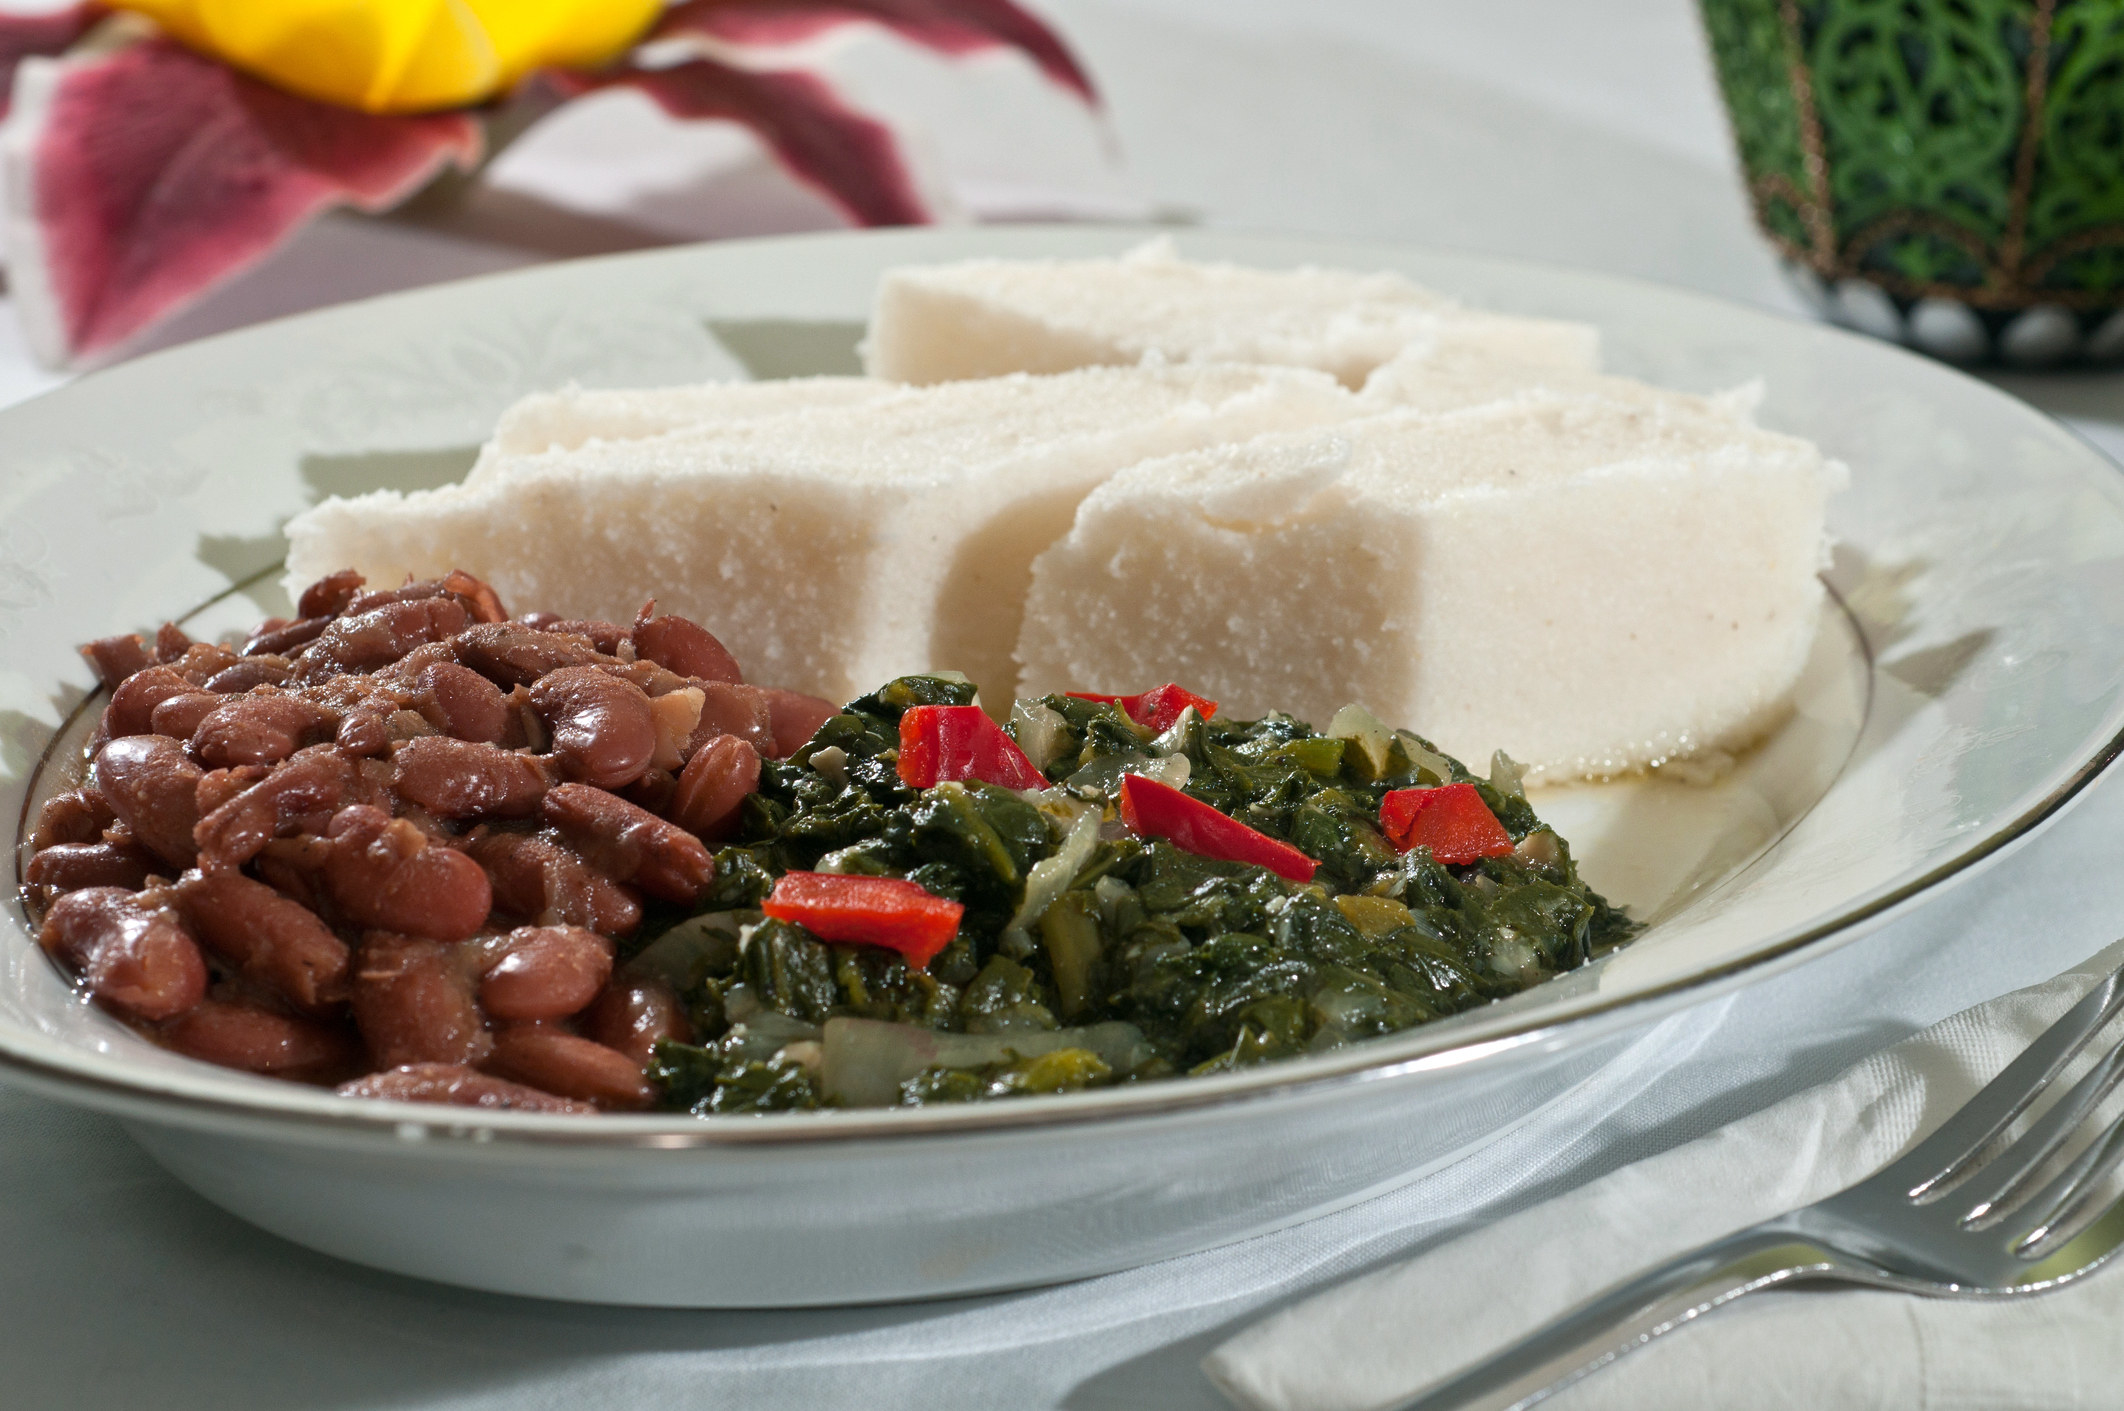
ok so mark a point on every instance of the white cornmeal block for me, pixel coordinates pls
(575, 416)
(1475, 363)
(1588, 585)
(982, 318)
(830, 549)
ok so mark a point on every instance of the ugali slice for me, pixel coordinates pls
(575, 416)
(1472, 364)
(982, 318)
(830, 549)
(1588, 585)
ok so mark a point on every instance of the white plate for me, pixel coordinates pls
(1968, 686)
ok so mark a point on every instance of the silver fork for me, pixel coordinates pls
(1987, 1237)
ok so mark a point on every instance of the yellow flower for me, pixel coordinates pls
(401, 56)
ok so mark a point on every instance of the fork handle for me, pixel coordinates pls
(1628, 1316)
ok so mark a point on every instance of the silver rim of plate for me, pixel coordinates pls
(820, 277)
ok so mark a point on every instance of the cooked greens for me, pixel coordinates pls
(1087, 956)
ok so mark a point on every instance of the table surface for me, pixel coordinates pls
(1551, 129)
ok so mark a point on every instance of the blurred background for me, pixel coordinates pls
(1583, 134)
(1586, 134)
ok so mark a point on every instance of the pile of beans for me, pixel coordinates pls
(390, 845)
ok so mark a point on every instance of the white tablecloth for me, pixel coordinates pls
(1555, 129)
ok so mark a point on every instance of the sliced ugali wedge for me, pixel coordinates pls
(1474, 363)
(1589, 585)
(981, 318)
(830, 549)
(576, 416)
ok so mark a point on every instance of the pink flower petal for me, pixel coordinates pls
(22, 36)
(151, 175)
(852, 160)
(948, 26)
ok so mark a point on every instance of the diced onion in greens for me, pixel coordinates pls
(1428, 760)
(1050, 878)
(864, 1061)
(1178, 735)
(1367, 732)
(1505, 774)
(1040, 732)
(1101, 776)
(700, 945)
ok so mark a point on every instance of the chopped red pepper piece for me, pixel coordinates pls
(1451, 820)
(867, 911)
(940, 743)
(1154, 810)
(1156, 709)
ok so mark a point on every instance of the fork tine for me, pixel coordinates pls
(2005, 1175)
(1947, 1151)
(2059, 1201)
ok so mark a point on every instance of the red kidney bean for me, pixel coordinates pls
(277, 942)
(278, 636)
(409, 591)
(260, 1041)
(249, 672)
(262, 727)
(683, 646)
(115, 659)
(633, 1015)
(653, 791)
(629, 843)
(179, 716)
(714, 787)
(458, 1086)
(364, 732)
(605, 636)
(462, 703)
(544, 972)
(202, 662)
(459, 779)
(133, 702)
(218, 786)
(294, 867)
(479, 600)
(540, 881)
(76, 816)
(796, 718)
(364, 641)
(300, 795)
(68, 867)
(153, 788)
(413, 1002)
(743, 711)
(171, 642)
(512, 654)
(604, 730)
(567, 1066)
(653, 679)
(477, 595)
(386, 873)
(329, 595)
(401, 679)
(131, 953)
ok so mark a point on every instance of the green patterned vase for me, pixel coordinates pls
(1949, 173)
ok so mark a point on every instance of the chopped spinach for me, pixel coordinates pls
(1214, 965)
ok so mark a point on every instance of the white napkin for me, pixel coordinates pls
(1383, 1337)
